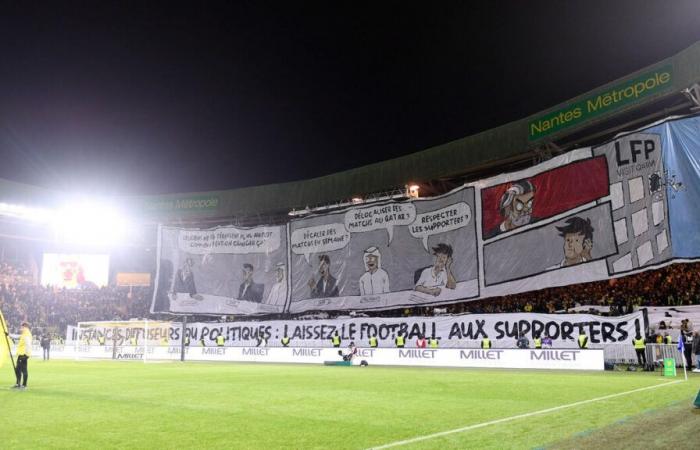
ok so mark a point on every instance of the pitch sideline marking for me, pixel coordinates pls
(518, 416)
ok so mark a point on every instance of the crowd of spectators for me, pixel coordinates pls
(674, 285)
(15, 273)
(53, 308)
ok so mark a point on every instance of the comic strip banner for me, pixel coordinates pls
(460, 331)
(223, 270)
(386, 255)
(595, 213)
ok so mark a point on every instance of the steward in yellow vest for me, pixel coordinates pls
(220, 341)
(640, 350)
(538, 341)
(285, 341)
(400, 341)
(373, 342)
(486, 343)
(432, 342)
(335, 340)
(582, 340)
(24, 350)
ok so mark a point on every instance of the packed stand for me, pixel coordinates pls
(49, 308)
(46, 307)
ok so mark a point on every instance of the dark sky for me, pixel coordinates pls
(136, 98)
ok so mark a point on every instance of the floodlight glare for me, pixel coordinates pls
(90, 223)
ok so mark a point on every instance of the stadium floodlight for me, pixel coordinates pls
(27, 213)
(90, 223)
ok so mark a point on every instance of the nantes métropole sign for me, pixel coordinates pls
(608, 100)
(181, 204)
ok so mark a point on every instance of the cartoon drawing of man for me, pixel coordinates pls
(578, 241)
(439, 276)
(249, 290)
(326, 286)
(516, 205)
(184, 280)
(278, 292)
(375, 280)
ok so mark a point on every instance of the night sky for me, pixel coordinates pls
(141, 98)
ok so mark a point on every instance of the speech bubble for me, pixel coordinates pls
(359, 220)
(440, 221)
(319, 239)
(230, 240)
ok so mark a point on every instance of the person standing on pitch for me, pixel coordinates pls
(335, 339)
(46, 345)
(696, 350)
(24, 349)
(640, 350)
(373, 341)
(400, 340)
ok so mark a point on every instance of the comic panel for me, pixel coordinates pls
(577, 239)
(407, 253)
(639, 201)
(511, 205)
(223, 270)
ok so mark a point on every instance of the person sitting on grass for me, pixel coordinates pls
(352, 351)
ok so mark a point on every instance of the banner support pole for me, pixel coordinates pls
(182, 338)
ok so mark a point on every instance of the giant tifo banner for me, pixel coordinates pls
(459, 331)
(591, 214)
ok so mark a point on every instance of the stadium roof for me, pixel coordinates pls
(638, 98)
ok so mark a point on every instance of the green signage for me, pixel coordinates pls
(669, 367)
(179, 205)
(608, 100)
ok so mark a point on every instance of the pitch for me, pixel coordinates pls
(198, 405)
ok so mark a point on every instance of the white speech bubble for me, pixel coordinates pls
(319, 239)
(440, 221)
(230, 240)
(359, 220)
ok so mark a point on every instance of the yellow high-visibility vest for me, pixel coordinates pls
(24, 348)
(486, 343)
(583, 341)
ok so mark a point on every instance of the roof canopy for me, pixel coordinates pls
(639, 91)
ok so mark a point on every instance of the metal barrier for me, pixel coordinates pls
(654, 353)
(620, 354)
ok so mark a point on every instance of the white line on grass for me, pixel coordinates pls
(516, 417)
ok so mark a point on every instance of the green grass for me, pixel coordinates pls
(198, 405)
